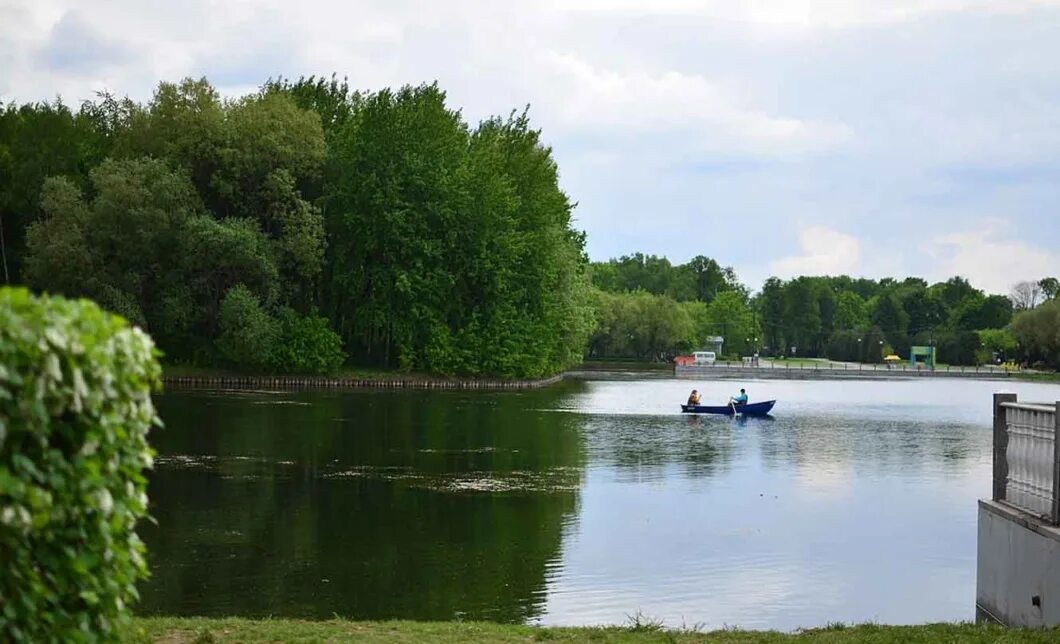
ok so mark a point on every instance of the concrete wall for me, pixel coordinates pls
(1018, 575)
(814, 373)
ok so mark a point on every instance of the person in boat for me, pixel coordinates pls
(739, 399)
(693, 398)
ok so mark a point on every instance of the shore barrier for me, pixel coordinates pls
(342, 383)
(722, 372)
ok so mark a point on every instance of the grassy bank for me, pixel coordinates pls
(199, 630)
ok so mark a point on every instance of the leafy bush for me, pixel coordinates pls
(306, 344)
(75, 408)
(247, 334)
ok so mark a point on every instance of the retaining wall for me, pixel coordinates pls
(339, 383)
(799, 373)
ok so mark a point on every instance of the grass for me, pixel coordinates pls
(197, 630)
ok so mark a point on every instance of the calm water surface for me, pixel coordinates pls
(580, 504)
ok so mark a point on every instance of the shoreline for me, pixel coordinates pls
(639, 629)
(184, 379)
(339, 383)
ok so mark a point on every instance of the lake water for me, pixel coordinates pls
(583, 503)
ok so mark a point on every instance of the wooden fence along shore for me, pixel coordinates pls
(339, 383)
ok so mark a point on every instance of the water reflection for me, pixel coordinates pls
(370, 505)
(579, 504)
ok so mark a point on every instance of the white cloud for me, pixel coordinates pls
(671, 120)
(643, 102)
(990, 258)
(801, 14)
(825, 251)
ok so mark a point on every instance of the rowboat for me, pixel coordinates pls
(748, 409)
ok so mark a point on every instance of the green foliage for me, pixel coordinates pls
(120, 247)
(451, 251)
(1000, 341)
(75, 409)
(38, 141)
(848, 345)
(247, 334)
(702, 278)
(1038, 332)
(264, 136)
(827, 315)
(850, 312)
(305, 344)
(643, 326)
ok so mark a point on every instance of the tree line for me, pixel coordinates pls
(307, 225)
(648, 308)
(301, 225)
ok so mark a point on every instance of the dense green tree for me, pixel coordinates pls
(891, 318)
(184, 123)
(38, 141)
(999, 341)
(1038, 333)
(451, 251)
(701, 279)
(1050, 287)
(770, 304)
(850, 312)
(729, 316)
(802, 317)
(120, 248)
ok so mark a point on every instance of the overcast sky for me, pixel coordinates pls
(868, 137)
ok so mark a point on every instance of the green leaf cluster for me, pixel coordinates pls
(75, 410)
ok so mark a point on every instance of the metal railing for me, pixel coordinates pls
(847, 366)
(1027, 456)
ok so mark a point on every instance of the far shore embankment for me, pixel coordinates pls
(846, 372)
(375, 381)
(176, 379)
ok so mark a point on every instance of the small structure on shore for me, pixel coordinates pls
(926, 354)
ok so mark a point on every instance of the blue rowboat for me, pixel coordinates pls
(749, 409)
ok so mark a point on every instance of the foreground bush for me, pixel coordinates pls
(75, 408)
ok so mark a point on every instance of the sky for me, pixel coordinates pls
(781, 137)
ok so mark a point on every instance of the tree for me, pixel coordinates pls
(38, 141)
(770, 304)
(850, 312)
(118, 249)
(1025, 295)
(1038, 332)
(1050, 287)
(999, 341)
(730, 317)
(183, 123)
(891, 319)
(268, 146)
(802, 316)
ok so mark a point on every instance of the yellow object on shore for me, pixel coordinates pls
(892, 358)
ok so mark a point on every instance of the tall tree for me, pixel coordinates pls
(1025, 295)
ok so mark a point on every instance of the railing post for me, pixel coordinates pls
(1056, 464)
(1000, 445)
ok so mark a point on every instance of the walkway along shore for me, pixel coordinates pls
(340, 383)
(804, 372)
